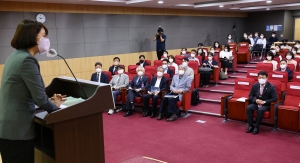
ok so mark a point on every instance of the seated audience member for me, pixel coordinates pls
(160, 84)
(189, 71)
(138, 84)
(261, 96)
(273, 50)
(277, 47)
(270, 59)
(98, 76)
(217, 45)
(245, 39)
(172, 63)
(283, 67)
(184, 52)
(273, 38)
(212, 50)
(290, 59)
(181, 83)
(113, 68)
(193, 57)
(167, 70)
(251, 40)
(142, 61)
(225, 56)
(117, 83)
(201, 53)
(165, 55)
(229, 38)
(210, 63)
(262, 41)
(296, 52)
(200, 45)
(297, 44)
(256, 37)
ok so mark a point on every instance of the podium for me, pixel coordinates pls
(74, 134)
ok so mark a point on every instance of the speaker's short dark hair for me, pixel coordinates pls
(165, 60)
(26, 34)
(283, 60)
(185, 59)
(142, 56)
(120, 67)
(194, 50)
(98, 63)
(117, 58)
(200, 44)
(263, 72)
(270, 53)
(166, 52)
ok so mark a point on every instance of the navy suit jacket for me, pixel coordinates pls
(269, 94)
(145, 64)
(111, 70)
(170, 72)
(290, 73)
(163, 83)
(103, 78)
(136, 85)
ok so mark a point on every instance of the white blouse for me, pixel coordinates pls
(224, 54)
(176, 67)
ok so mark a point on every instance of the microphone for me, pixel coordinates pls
(53, 53)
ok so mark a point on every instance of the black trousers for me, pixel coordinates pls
(131, 94)
(205, 77)
(171, 103)
(146, 99)
(260, 114)
(17, 151)
(159, 53)
(225, 63)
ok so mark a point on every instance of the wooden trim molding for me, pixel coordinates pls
(79, 8)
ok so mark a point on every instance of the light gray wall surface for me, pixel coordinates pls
(84, 35)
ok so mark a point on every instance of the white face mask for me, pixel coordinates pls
(116, 63)
(217, 45)
(193, 55)
(273, 35)
(210, 58)
(181, 72)
(261, 36)
(269, 58)
(250, 36)
(120, 71)
(183, 52)
(159, 74)
(98, 70)
(297, 46)
(212, 51)
(289, 57)
(229, 37)
(262, 81)
(226, 50)
(164, 66)
(199, 51)
(277, 50)
(255, 35)
(140, 73)
(294, 51)
(184, 64)
(165, 55)
(171, 60)
(245, 36)
(283, 66)
(273, 51)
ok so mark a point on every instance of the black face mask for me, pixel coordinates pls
(284, 44)
(141, 61)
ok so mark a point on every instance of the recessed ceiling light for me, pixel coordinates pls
(269, 1)
(221, 6)
(268, 9)
(160, 2)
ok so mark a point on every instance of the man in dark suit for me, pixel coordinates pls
(261, 96)
(113, 68)
(142, 61)
(283, 67)
(167, 70)
(160, 82)
(98, 76)
(138, 84)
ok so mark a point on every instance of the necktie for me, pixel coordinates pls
(118, 81)
(97, 77)
(261, 89)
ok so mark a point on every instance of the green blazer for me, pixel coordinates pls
(22, 87)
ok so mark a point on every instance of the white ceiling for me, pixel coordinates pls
(229, 5)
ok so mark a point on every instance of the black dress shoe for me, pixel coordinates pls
(160, 116)
(129, 113)
(146, 114)
(250, 129)
(152, 115)
(255, 131)
(172, 118)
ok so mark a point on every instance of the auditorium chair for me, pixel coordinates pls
(290, 66)
(132, 71)
(287, 116)
(277, 59)
(298, 62)
(283, 52)
(108, 73)
(264, 66)
(119, 100)
(178, 59)
(157, 63)
(196, 82)
(148, 61)
(151, 70)
(217, 51)
(279, 76)
(230, 107)
(162, 93)
(243, 54)
(232, 46)
(253, 74)
(296, 77)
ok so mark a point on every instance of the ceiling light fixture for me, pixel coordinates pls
(273, 6)
(227, 3)
(160, 2)
(184, 5)
(268, 9)
(136, 1)
(221, 6)
(269, 1)
(109, 0)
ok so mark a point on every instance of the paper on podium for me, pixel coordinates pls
(171, 96)
(242, 99)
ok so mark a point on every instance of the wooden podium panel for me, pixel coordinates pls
(74, 134)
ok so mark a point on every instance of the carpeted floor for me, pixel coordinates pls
(210, 107)
(187, 141)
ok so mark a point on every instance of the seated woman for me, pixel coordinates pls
(251, 40)
(229, 38)
(297, 44)
(193, 56)
(200, 52)
(246, 39)
(217, 45)
(296, 52)
(290, 59)
(172, 63)
(284, 44)
(210, 63)
(142, 61)
(270, 59)
(273, 49)
(225, 55)
(200, 46)
(165, 55)
(283, 67)
(184, 52)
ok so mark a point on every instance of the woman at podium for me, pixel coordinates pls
(22, 88)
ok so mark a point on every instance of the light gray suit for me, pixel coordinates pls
(124, 81)
(181, 84)
(22, 87)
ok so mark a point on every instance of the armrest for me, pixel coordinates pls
(123, 94)
(224, 108)
(186, 100)
(216, 74)
(273, 111)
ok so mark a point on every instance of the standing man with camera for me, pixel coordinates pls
(160, 39)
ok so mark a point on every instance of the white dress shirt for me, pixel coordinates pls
(262, 41)
(224, 54)
(157, 83)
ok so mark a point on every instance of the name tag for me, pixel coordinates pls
(243, 44)
(253, 74)
(277, 76)
(298, 77)
(243, 83)
(294, 87)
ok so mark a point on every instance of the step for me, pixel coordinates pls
(204, 107)
(244, 70)
(227, 89)
(246, 65)
(237, 75)
(211, 96)
(229, 81)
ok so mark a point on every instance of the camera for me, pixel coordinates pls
(160, 30)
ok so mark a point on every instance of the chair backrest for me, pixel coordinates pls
(277, 59)
(292, 97)
(148, 61)
(232, 46)
(193, 65)
(242, 87)
(264, 66)
(277, 85)
(157, 63)
(296, 77)
(173, 68)
(218, 50)
(108, 74)
(150, 69)
(132, 69)
(243, 47)
(290, 66)
(253, 74)
(149, 76)
(279, 76)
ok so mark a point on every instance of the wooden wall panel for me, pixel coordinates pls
(297, 29)
(78, 8)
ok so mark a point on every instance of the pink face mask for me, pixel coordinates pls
(43, 45)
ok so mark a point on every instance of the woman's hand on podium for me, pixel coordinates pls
(58, 99)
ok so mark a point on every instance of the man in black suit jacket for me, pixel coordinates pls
(167, 70)
(160, 82)
(283, 67)
(138, 84)
(113, 68)
(261, 96)
(98, 76)
(142, 61)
